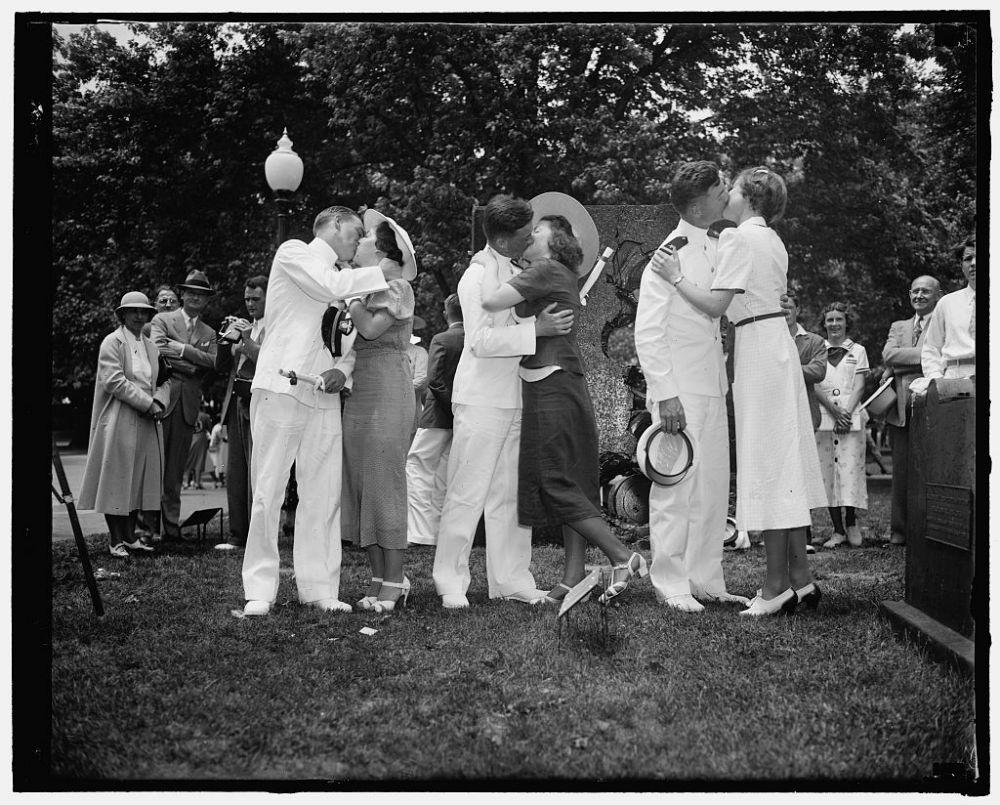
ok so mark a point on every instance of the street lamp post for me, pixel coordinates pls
(283, 170)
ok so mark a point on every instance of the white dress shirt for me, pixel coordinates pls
(679, 347)
(947, 336)
(304, 280)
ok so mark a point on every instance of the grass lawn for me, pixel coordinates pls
(169, 686)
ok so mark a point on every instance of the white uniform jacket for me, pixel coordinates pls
(304, 281)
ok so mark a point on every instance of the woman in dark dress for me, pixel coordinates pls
(558, 465)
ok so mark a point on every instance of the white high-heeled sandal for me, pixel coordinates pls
(368, 602)
(381, 606)
(616, 588)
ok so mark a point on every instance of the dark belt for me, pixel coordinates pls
(761, 317)
(241, 388)
(961, 361)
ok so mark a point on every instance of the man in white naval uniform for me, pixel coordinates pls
(680, 352)
(482, 467)
(297, 423)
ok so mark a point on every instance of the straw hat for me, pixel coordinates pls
(135, 299)
(583, 225)
(373, 218)
(664, 458)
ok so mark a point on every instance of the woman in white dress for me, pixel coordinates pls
(840, 439)
(778, 478)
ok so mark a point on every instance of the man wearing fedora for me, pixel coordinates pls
(301, 422)
(680, 352)
(486, 435)
(237, 356)
(188, 344)
(901, 355)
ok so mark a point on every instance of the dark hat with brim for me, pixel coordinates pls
(197, 281)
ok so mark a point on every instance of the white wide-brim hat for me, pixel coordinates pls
(135, 299)
(373, 218)
(584, 228)
(665, 458)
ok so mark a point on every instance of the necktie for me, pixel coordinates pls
(972, 317)
(918, 328)
(834, 355)
(190, 329)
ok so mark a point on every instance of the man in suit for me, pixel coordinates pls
(482, 467)
(427, 460)
(680, 352)
(901, 355)
(812, 355)
(239, 358)
(188, 344)
(300, 422)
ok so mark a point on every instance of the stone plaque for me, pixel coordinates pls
(949, 515)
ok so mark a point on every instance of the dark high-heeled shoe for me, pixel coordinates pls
(809, 595)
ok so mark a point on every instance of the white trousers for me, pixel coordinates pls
(426, 482)
(687, 521)
(482, 480)
(286, 431)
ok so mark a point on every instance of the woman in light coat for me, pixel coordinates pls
(125, 456)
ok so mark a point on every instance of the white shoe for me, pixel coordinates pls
(854, 536)
(138, 545)
(835, 540)
(728, 598)
(256, 608)
(685, 603)
(225, 546)
(780, 603)
(454, 602)
(530, 597)
(331, 605)
(118, 550)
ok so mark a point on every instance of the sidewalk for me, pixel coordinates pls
(93, 523)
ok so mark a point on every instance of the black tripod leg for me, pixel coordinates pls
(81, 545)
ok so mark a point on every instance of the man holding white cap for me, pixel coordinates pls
(680, 352)
(300, 423)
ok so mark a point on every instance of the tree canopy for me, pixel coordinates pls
(159, 144)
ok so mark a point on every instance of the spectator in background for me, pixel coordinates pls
(949, 348)
(239, 359)
(194, 467)
(218, 453)
(189, 346)
(812, 356)
(418, 365)
(841, 435)
(164, 300)
(125, 454)
(427, 460)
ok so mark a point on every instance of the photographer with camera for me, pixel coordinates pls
(239, 344)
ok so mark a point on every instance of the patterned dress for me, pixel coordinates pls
(378, 418)
(778, 479)
(842, 455)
